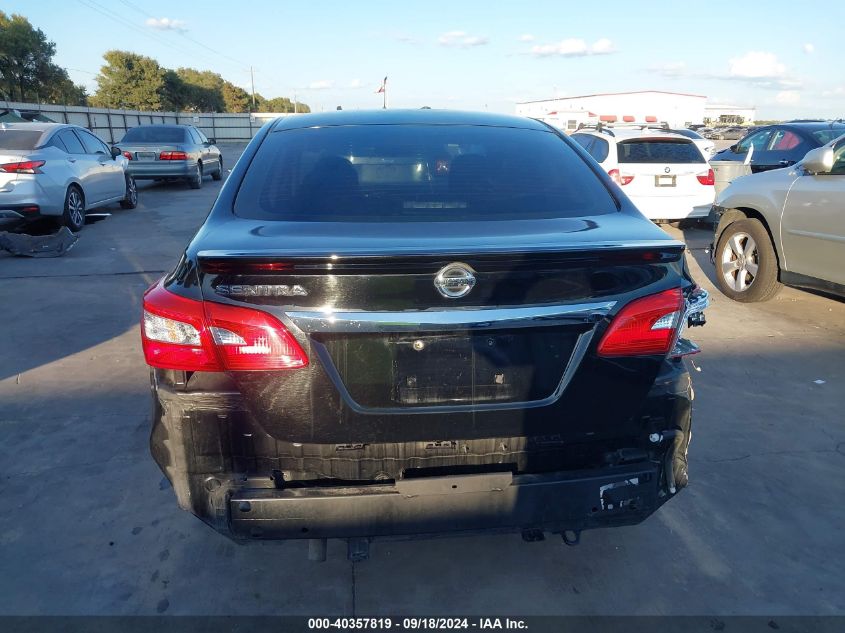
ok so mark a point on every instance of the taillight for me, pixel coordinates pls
(707, 178)
(188, 335)
(619, 178)
(127, 155)
(173, 156)
(25, 167)
(647, 325)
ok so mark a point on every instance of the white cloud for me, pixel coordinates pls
(757, 65)
(462, 39)
(166, 24)
(672, 70)
(788, 97)
(323, 84)
(355, 84)
(526, 37)
(573, 47)
(809, 49)
(602, 47)
(838, 91)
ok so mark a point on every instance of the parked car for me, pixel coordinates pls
(781, 145)
(784, 226)
(165, 152)
(728, 133)
(420, 321)
(707, 147)
(664, 174)
(59, 171)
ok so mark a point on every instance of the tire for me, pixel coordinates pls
(73, 216)
(218, 175)
(131, 199)
(746, 262)
(195, 181)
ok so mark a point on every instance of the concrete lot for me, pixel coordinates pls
(91, 527)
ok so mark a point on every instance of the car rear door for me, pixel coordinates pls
(813, 224)
(82, 165)
(664, 176)
(108, 181)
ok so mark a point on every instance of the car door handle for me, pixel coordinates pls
(71, 160)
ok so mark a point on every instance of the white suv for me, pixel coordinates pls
(664, 174)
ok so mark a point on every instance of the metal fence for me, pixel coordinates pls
(110, 125)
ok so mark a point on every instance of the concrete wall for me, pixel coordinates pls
(110, 125)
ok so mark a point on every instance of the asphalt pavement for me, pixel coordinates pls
(90, 525)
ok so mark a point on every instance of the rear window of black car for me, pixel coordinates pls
(154, 134)
(648, 150)
(396, 173)
(19, 139)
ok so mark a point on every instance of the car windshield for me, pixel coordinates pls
(652, 150)
(19, 139)
(388, 173)
(154, 134)
(826, 136)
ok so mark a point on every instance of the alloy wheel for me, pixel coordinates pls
(75, 208)
(740, 261)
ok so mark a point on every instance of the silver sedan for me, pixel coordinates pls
(165, 152)
(784, 226)
(60, 171)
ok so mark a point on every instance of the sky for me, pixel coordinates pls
(785, 58)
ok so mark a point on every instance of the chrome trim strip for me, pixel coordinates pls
(359, 321)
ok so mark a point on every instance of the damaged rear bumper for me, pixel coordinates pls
(551, 502)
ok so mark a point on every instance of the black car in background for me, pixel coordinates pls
(413, 322)
(781, 145)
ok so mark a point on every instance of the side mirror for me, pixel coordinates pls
(819, 160)
(115, 152)
(735, 148)
(212, 141)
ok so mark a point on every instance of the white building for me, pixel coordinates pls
(733, 114)
(650, 106)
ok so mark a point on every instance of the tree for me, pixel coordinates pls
(27, 71)
(203, 90)
(236, 98)
(130, 81)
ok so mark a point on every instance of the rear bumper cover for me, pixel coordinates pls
(141, 170)
(552, 502)
(226, 471)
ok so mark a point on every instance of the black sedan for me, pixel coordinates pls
(412, 322)
(781, 145)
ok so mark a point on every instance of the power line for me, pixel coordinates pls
(134, 7)
(124, 22)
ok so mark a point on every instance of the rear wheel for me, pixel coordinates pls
(746, 263)
(195, 181)
(73, 216)
(218, 174)
(131, 199)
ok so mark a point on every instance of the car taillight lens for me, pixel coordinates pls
(188, 335)
(173, 156)
(25, 167)
(127, 155)
(647, 325)
(619, 178)
(707, 178)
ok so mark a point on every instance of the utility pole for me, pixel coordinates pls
(252, 80)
